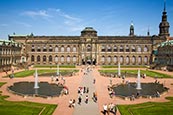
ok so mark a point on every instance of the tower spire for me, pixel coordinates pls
(164, 24)
(148, 32)
(164, 6)
(131, 29)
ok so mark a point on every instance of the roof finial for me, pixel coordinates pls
(164, 5)
(148, 33)
(131, 23)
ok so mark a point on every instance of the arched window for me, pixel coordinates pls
(115, 48)
(50, 58)
(56, 59)
(38, 58)
(145, 48)
(145, 59)
(121, 59)
(56, 48)
(109, 59)
(139, 49)
(33, 48)
(109, 49)
(44, 49)
(62, 48)
(103, 48)
(88, 48)
(121, 48)
(127, 60)
(127, 48)
(50, 48)
(62, 59)
(115, 59)
(133, 48)
(74, 49)
(103, 59)
(133, 60)
(44, 58)
(139, 60)
(74, 59)
(68, 48)
(32, 58)
(38, 49)
(68, 59)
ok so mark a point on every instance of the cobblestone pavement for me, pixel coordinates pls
(80, 80)
(90, 108)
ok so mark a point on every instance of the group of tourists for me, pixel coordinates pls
(72, 103)
(58, 79)
(85, 100)
(109, 108)
(82, 90)
(111, 91)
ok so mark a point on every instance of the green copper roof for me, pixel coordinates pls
(170, 42)
(89, 29)
(9, 42)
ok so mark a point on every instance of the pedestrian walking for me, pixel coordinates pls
(94, 81)
(73, 103)
(70, 103)
(84, 89)
(87, 90)
(86, 100)
(105, 109)
(79, 100)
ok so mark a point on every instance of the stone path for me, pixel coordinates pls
(91, 108)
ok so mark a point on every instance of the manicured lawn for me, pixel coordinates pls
(24, 108)
(149, 108)
(147, 72)
(54, 66)
(122, 66)
(40, 72)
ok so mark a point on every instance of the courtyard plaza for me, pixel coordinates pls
(78, 80)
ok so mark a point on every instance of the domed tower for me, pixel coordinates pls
(88, 32)
(88, 46)
(164, 25)
(131, 29)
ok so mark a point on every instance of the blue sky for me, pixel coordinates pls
(69, 17)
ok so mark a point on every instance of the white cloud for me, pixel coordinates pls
(52, 16)
(40, 13)
(65, 15)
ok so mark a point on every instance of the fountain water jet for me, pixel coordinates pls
(36, 80)
(119, 71)
(57, 72)
(138, 81)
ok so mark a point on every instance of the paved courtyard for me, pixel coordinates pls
(73, 83)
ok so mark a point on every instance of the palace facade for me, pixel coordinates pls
(164, 56)
(90, 48)
(10, 54)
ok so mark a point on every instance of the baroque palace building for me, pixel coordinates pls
(89, 48)
(164, 56)
(10, 54)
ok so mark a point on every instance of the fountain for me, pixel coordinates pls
(57, 72)
(41, 89)
(36, 80)
(128, 90)
(138, 81)
(45, 89)
(119, 71)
